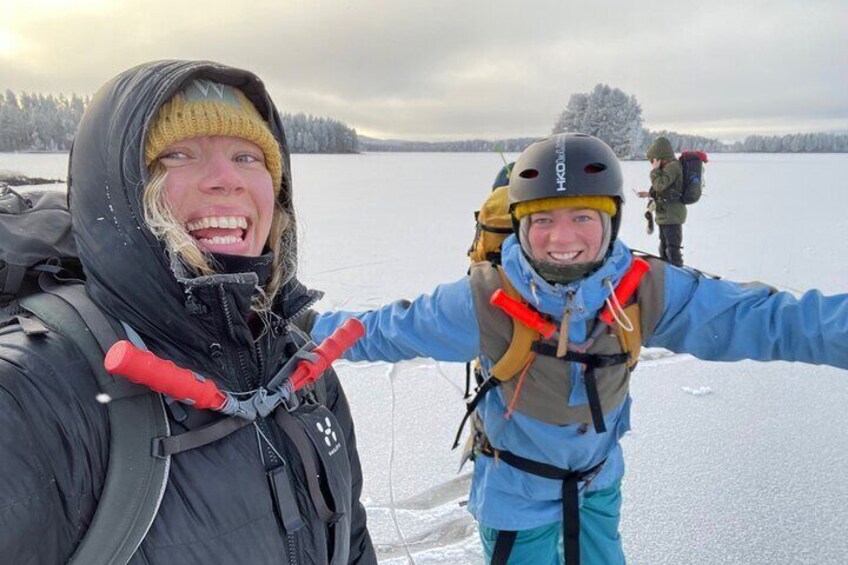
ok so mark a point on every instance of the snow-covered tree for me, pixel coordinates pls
(607, 113)
(571, 120)
(311, 134)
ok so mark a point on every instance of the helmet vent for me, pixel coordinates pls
(529, 174)
(593, 168)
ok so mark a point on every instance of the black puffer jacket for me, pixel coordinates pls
(217, 507)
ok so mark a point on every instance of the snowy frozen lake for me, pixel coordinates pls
(739, 463)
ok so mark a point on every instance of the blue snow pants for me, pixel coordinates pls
(600, 542)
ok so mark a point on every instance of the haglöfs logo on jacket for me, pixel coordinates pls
(329, 435)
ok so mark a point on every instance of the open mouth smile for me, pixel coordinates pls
(564, 256)
(215, 231)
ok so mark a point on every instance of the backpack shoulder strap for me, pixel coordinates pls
(644, 311)
(486, 278)
(135, 480)
(650, 296)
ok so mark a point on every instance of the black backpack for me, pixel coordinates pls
(41, 290)
(35, 236)
(693, 175)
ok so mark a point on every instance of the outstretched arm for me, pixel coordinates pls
(441, 325)
(726, 321)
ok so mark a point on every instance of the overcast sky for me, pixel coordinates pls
(434, 69)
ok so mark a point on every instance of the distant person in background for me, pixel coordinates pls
(666, 186)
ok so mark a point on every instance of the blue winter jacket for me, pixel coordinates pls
(710, 319)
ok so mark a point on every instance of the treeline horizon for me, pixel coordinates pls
(817, 142)
(34, 122)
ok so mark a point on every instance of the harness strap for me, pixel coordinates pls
(471, 405)
(570, 494)
(503, 546)
(571, 521)
(594, 399)
(495, 229)
(301, 443)
(162, 447)
(592, 362)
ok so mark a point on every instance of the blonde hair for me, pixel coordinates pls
(160, 218)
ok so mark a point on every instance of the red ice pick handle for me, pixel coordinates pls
(524, 314)
(627, 286)
(145, 368)
(330, 349)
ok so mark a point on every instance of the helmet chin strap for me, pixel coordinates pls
(555, 273)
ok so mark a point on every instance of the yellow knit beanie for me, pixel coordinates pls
(600, 203)
(210, 108)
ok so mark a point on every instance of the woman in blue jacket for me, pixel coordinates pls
(545, 432)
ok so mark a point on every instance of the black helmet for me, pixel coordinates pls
(567, 164)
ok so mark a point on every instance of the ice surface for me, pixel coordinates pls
(731, 463)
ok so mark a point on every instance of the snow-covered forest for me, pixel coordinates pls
(38, 122)
(793, 143)
(312, 134)
(35, 122)
(515, 145)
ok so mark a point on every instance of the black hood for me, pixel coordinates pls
(127, 270)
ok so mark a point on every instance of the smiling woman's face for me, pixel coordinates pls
(219, 189)
(566, 236)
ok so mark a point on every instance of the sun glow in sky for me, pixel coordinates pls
(21, 19)
(7, 43)
(32, 8)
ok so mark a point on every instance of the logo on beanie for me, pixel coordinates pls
(560, 163)
(201, 90)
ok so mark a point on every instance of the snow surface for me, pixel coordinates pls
(732, 463)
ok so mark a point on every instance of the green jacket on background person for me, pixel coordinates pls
(665, 180)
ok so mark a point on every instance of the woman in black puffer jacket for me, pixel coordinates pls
(181, 202)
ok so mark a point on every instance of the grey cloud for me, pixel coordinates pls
(478, 68)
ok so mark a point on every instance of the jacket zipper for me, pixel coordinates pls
(291, 544)
(247, 382)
